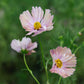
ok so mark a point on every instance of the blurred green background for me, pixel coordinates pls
(68, 21)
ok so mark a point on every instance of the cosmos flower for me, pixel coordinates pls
(63, 61)
(36, 22)
(25, 46)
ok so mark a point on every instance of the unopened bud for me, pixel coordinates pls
(79, 33)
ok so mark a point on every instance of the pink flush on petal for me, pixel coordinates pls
(24, 46)
(36, 22)
(63, 61)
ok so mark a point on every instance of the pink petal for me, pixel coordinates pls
(49, 28)
(33, 51)
(67, 57)
(54, 69)
(16, 45)
(25, 42)
(37, 14)
(47, 20)
(66, 72)
(56, 53)
(26, 20)
(68, 61)
(33, 31)
(32, 46)
(39, 31)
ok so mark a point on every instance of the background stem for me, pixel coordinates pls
(59, 80)
(78, 48)
(43, 61)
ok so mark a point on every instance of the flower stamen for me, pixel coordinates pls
(37, 25)
(58, 63)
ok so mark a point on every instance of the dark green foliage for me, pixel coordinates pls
(68, 21)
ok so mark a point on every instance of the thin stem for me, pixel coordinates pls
(44, 61)
(74, 39)
(46, 68)
(61, 43)
(82, 30)
(77, 35)
(59, 80)
(77, 49)
(30, 71)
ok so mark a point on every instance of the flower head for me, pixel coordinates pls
(63, 61)
(36, 22)
(25, 46)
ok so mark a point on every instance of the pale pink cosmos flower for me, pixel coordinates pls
(25, 45)
(63, 61)
(36, 22)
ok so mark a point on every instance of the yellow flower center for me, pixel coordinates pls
(58, 63)
(37, 25)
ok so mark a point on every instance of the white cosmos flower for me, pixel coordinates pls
(63, 61)
(36, 22)
(24, 46)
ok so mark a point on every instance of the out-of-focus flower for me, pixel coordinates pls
(63, 61)
(36, 22)
(25, 46)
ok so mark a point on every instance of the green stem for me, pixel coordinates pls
(44, 61)
(78, 49)
(61, 43)
(77, 35)
(30, 71)
(59, 80)
(81, 30)
(46, 69)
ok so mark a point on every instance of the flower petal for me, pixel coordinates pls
(25, 42)
(31, 32)
(66, 72)
(16, 45)
(39, 31)
(68, 61)
(37, 14)
(32, 46)
(26, 20)
(24, 46)
(49, 28)
(47, 20)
